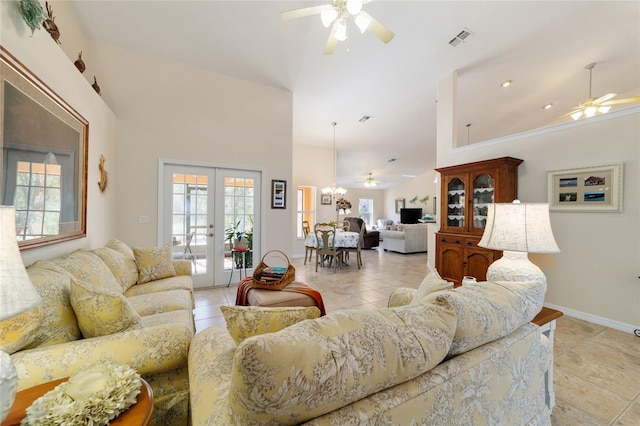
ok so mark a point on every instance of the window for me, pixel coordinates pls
(365, 206)
(37, 200)
(305, 208)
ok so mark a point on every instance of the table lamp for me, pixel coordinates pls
(17, 295)
(518, 229)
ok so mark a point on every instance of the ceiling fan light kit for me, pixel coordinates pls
(602, 105)
(338, 13)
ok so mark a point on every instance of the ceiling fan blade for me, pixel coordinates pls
(622, 101)
(301, 13)
(377, 29)
(605, 98)
(568, 114)
(332, 42)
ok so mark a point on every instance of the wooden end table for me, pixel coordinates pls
(138, 414)
(546, 319)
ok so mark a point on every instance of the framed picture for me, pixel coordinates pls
(278, 194)
(44, 158)
(325, 199)
(590, 189)
(399, 204)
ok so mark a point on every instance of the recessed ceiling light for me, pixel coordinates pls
(547, 106)
(506, 83)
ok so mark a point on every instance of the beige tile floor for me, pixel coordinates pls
(597, 369)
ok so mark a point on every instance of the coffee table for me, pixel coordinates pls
(138, 414)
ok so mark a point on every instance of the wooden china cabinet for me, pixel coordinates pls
(466, 190)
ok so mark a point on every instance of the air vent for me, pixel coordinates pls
(365, 118)
(462, 36)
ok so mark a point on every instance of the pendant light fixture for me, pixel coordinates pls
(334, 191)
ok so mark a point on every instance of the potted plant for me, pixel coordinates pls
(235, 236)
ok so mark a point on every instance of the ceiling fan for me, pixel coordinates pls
(590, 106)
(370, 182)
(338, 13)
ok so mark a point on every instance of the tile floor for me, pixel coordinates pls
(597, 369)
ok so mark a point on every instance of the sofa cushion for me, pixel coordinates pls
(180, 282)
(164, 301)
(19, 331)
(123, 268)
(487, 311)
(246, 321)
(60, 324)
(317, 366)
(102, 312)
(154, 263)
(88, 267)
(121, 247)
(430, 284)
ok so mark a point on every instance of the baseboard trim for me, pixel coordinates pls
(607, 322)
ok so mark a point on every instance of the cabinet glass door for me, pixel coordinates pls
(483, 195)
(455, 203)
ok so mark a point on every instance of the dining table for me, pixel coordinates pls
(344, 239)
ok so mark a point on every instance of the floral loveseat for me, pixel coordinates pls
(115, 303)
(436, 356)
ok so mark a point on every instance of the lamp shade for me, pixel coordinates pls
(17, 293)
(521, 227)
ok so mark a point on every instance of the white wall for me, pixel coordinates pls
(420, 185)
(595, 277)
(173, 111)
(47, 61)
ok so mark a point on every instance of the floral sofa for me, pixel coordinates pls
(120, 304)
(405, 238)
(435, 356)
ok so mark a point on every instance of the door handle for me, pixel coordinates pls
(210, 234)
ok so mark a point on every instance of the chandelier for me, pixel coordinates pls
(335, 192)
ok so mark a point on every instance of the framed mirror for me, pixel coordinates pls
(43, 168)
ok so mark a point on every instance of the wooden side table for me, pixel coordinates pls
(546, 319)
(138, 414)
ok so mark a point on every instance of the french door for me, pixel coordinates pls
(199, 208)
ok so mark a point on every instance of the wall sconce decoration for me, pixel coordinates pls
(102, 184)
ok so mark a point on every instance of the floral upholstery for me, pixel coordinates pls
(19, 331)
(246, 321)
(430, 284)
(158, 349)
(154, 263)
(271, 379)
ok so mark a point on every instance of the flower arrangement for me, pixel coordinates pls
(343, 204)
(93, 396)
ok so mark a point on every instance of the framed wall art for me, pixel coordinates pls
(399, 204)
(589, 189)
(278, 194)
(325, 199)
(43, 168)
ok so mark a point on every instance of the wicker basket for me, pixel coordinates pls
(269, 283)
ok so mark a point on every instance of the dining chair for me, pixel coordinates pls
(308, 250)
(357, 249)
(325, 245)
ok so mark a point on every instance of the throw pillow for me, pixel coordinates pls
(121, 247)
(315, 367)
(19, 331)
(101, 312)
(122, 267)
(154, 263)
(431, 283)
(246, 321)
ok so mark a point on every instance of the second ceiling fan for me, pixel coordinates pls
(590, 106)
(338, 13)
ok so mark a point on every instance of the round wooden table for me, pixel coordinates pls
(138, 414)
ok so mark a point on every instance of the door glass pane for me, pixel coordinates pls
(238, 220)
(189, 220)
(483, 194)
(455, 203)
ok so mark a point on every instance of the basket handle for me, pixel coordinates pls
(285, 257)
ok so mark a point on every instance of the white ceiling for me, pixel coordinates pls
(542, 46)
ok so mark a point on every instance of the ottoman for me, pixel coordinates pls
(295, 294)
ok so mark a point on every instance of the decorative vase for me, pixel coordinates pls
(50, 25)
(79, 63)
(240, 243)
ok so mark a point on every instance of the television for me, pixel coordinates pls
(410, 215)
